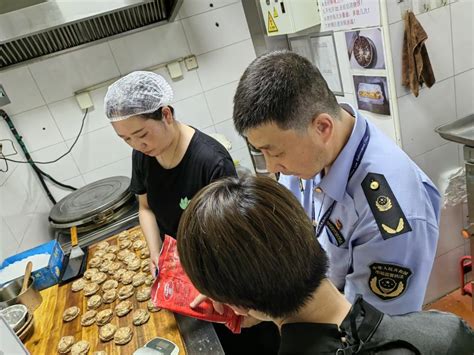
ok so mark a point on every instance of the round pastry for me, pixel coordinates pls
(122, 235)
(80, 348)
(94, 302)
(143, 294)
(78, 285)
(146, 265)
(99, 352)
(104, 267)
(133, 265)
(90, 289)
(118, 274)
(123, 335)
(88, 318)
(99, 277)
(65, 344)
(138, 279)
(103, 317)
(129, 258)
(139, 244)
(109, 296)
(113, 267)
(149, 280)
(122, 254)
(99, 253)
(123, 308)
(71, 313)
(144, 253)
(95, 262)
(107, 332)
(109, 284)
(89, 272)
(102, 245)
(151, 307)
(110, 256)
(136, 235)
(126, 292)
(127, 277)
(113, 249)
(125, 244)
(140, 316)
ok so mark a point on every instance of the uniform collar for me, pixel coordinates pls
(334, 184)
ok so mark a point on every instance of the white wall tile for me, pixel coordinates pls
(194, 7)
(9, 151)
(464, 93)
(184, 87)
(8, 243)
(123, 167)
(21, 89)
(59, 193)
(462, 14)
(96, 149)
(59, 77)
(343, 59)
(419, 116)
(38, 232)
(63, 169)
(439, 43)
(193, 111)
(227, 129)
(224, 65)
(37, 127)
(347, 98)
(220, 101)
(68, 115)
(216, 29)
(445, 275)
(150, 47)
(438, 162)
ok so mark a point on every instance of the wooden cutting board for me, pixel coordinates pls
(49, 326)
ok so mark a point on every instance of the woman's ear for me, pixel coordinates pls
(167, 114)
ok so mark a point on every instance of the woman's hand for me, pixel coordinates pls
(218, 307)
(154, 269)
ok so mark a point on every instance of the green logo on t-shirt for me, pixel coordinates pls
(184, 203)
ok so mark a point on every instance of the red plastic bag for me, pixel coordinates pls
(172, 290)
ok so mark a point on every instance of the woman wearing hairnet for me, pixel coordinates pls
(171, 162)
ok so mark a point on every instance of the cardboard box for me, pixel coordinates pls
(49, 275)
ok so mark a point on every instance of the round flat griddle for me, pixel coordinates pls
(91, 203)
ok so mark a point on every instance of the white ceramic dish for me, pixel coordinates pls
(15, 315)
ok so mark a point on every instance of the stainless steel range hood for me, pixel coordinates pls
(33, 28)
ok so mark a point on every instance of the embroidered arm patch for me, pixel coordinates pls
(384, 206)
(388, 281)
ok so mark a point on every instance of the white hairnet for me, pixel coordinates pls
(136, 93)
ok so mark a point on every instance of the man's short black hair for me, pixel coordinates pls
(284, 88)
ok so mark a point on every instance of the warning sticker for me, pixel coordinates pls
(272, 27)
(275, 12)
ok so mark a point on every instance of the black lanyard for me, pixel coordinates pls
(359, 154)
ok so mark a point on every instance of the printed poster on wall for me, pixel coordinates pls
(372, 94)
(339, 15)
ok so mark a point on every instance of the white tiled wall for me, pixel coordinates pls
(46, 114)
(450, 48)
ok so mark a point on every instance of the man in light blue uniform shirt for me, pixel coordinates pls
(375, 212)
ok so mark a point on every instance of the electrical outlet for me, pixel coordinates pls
(84, 100)
(191, 62)
(4, 100)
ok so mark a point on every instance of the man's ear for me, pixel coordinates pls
(322, 125)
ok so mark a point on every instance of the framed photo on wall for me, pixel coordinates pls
(320, 49)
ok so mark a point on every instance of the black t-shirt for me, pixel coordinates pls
(169, 191)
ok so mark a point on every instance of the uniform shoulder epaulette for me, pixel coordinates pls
(385, 208)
